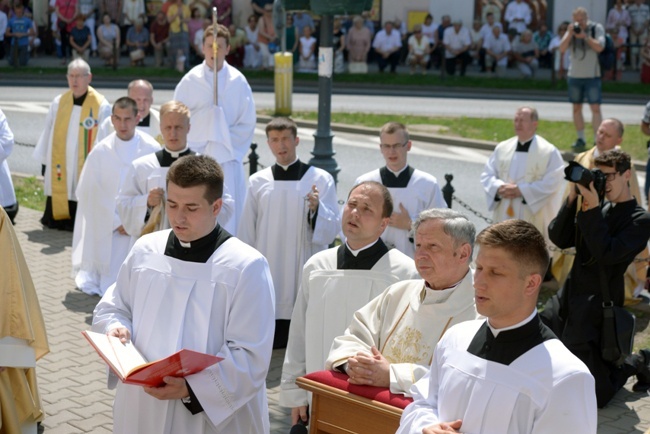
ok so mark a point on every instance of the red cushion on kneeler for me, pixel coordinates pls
(340, 381)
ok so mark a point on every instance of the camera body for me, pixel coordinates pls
(577, 29)
(579, 174)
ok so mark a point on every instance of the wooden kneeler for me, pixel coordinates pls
(339, 407)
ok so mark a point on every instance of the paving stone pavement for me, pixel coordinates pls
(72, 377)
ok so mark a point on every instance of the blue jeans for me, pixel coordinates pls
(581, 88)
(20, 52)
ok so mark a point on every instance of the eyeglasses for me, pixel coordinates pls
(395, 147)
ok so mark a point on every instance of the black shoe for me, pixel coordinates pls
(643, 373)
(579, 146)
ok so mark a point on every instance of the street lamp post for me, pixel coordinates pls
(323, 153)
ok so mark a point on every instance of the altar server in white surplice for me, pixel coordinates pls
(224, 131)
(99, 241)
(337, 282)
(291, 212)
(509, 373)
(140, 91)
(195, 287)
(524, 177)
(140, 202)
(412, 190)
(69, 134)
(390, 341)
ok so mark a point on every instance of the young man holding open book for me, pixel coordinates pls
(194, 287)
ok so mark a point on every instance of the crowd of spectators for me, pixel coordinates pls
(505, 35)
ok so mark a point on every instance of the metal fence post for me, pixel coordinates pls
(448, 189)
(252, 159)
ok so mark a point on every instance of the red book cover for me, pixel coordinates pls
(131, 368)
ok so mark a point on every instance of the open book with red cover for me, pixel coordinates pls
(132, 368)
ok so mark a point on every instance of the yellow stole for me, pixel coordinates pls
(86, 137)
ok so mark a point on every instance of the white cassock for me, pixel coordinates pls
(224, 132)
(43, 151)
(422, 192)
(144, 175)
(275, 222)
(545, 390)
(326, 302)
(539, 174)
(405, 323)
(222, 307)
(153, 129)
(98, 249)
(7, 193)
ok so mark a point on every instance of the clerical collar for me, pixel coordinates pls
(597, 151)
(285, 168)
(424, 292)
(401, 180)
(496, 331)
(293, 172)
(198, 250)
(524, 147)
(399, 171)
(510, 344)
(79, 100)
(176, 154)
(365, 258)
(145, 121)
(166, 158)
(356, 252)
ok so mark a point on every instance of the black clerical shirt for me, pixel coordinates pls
(145, 121)
(389, 179)
(198, 251)
(509, 344)
(365, 259)
(166, 159)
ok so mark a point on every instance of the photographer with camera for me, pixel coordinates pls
(585, 40)
(608, 136)
(608, 231)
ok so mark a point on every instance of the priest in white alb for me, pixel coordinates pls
(335, 283)
(69, 135)
(524, 176)
(225, 130)
(412, 190)
(140, 201)
(391, 340)
(140, 91)
(99, 241)
(291, 212)
(195, 287)
(507, 374)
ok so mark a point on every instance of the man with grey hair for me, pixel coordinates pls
(524, 176)
(69, 134)
(456, 40)
(390, 341)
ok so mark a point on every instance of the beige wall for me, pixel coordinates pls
(392, 9)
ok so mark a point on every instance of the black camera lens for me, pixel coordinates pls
(576, 28)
